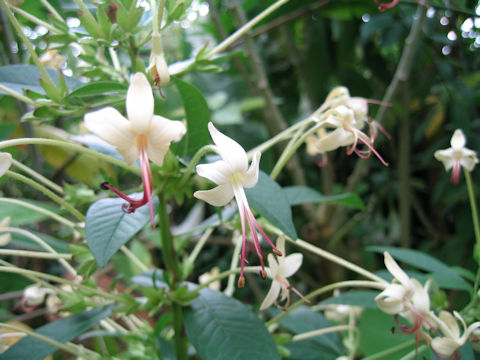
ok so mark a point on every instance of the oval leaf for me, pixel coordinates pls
(107, 227)
(62, 331)
(267, 198)
(221, 327)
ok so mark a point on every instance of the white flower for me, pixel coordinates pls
(34, 295)
(158, 66)
(5, 238)
(143, 135)
(52, 59)
(232, 175)
(206, 277)
(451, 341)
(5, 162)
(457, 156)
(279, 270)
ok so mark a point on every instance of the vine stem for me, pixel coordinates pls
(198, 247)
(40, 210)
(16, 95)
(47, 192)
(473, 205)
(52, 10)
(309, 334)
(34, 254)
(35, 20)
(38, 176)
(322, 290)
(70, 146)
(196, 158)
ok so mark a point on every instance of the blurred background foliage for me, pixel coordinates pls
(277, 75)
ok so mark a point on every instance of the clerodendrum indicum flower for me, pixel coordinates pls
(279, 270)
(447, 345)
(158, 65)
(5, 162)
(232, 175)
(143, 135)
(405, 297)
(457, 156)
(344, 117)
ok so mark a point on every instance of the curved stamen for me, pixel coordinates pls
(367, 143)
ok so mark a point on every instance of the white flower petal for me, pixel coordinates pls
(229, 150)
(335, 139)
(251, 176)
(139, 104)
(218, 172)
(5, 162)
(444, 346)
(5, 239)
(420, 298)
(273, 266)
(162, 132)
(290, 265)
(218, 196)
(458, 140)
(469, 159)
(397, 272)
(5, 222)
(390, 300)
(111, 126)
(450, 326)
(446, 156)
(272, 295)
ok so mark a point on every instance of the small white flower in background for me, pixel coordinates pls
(52, 59)
(279, 269)
(144, 135)
(210, 275)
(232, 175)
(457, 156)
(447, 345)
(5, 238)
(5, 162)
(158, 65)
(34, 295)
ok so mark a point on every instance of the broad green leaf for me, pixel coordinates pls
(198, 116)
(303, 319)
(353, 298)
(414, 258)
(97, 88)
(221, 327)
(19, 77)
(62, 331)
(107, 227)
(298, 195)
(20, 215)
(268, 199)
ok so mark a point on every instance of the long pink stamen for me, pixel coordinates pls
(241, 279)
(455, 177)
(147, 185)
(256, 242)
(367, 143)
(352, 147)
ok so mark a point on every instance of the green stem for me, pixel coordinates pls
(89, 17)
(48, 193)
(40, 210)
(387, 354)
(30, 49)
(239, 33)
(328, 288)
(33, 254)
(237, 240)
(38, 176)
(52, 10)
(196, 158)
(318, 332)
(134, 258)
(198, 247)
(35, 20)
(70, 146)
(17, 95)
(473, 205)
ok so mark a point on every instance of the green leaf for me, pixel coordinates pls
(19, 77)
(21, 215)
(303, 319)
(221, 327)
(297, 195)
(268, 199)
(353, 298)
(198, 117)
(62, 331)
(97, 88)
(107, 227)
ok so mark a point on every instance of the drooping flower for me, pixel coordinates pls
(406, 297)
(279, 269)
(5, 162)
(144, 135)
(5, 238)
(457, 156)
(232, 175)
(158, 65)
(448, 344)
(34, 295)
